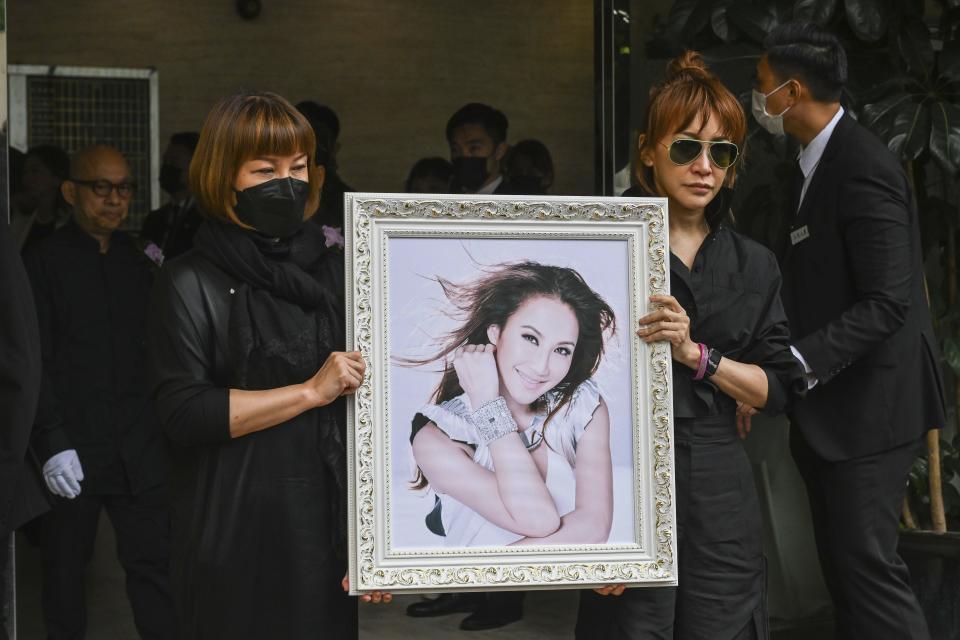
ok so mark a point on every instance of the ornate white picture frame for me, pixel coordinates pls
(400, 248)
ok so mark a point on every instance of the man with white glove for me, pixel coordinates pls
(96, 432)
(63, 474)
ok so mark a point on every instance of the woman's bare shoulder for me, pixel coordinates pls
(432, 437)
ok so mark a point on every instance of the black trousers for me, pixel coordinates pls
(721, 576)
(855, 505)
(68, 532)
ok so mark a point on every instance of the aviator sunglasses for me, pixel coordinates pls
(685, 150)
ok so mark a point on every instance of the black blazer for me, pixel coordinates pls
(854, 295)
(21, 496)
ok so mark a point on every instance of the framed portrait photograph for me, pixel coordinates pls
(512, 431)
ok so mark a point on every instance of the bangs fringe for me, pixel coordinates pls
(241, 127)
(676, 105)
(693, 99)
(268, 130)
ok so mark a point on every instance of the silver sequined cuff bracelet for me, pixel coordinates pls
(493, 420)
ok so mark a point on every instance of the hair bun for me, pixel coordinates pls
(689, 65)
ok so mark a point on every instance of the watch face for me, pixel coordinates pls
(713, 361)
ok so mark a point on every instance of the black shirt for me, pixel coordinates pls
(732, 296)
(94, 395)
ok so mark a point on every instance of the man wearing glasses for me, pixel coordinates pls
(95, 436)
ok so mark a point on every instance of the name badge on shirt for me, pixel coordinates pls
(799, 235)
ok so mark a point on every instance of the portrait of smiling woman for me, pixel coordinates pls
(515, 440)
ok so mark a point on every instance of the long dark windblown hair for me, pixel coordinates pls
(493, 298)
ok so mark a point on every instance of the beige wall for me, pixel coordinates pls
(394, 70)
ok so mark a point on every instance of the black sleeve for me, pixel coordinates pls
(192, 409)
(876, 227)
(419, 422)
(48, 437)
(769, 347)
(20, 364)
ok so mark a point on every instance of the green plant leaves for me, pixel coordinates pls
(916, 48)
(951, 353)
(721, 25)
(909, 132)
(875, 114)
(687, 18)
(902, 122)
(867, 18)
(949, 63)
(945, 136)
(820, 12)
(754, 21)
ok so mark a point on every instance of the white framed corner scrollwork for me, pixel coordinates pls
(511, 431)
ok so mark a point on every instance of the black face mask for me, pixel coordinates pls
(469, 174)
(170, 178)
(274, 208)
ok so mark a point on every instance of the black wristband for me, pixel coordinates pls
(713, 361)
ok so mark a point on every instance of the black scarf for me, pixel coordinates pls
(286, 317)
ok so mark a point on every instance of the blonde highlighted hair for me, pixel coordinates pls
(242, 127)
(689, 91)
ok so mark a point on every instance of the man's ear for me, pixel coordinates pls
(796, 91)
(68, 189)
(500, 151)
(493, 334)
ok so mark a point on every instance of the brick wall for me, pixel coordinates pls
(394, 70)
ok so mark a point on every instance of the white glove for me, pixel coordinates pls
(63, 474)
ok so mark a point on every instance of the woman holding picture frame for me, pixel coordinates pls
(730, 345)
(246, 339)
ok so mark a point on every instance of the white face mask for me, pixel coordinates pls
(772, 123)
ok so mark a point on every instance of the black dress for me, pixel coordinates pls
(732, 296)
(258, 547)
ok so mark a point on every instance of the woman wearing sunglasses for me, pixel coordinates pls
(730, 344)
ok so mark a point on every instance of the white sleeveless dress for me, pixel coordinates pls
(464, 527)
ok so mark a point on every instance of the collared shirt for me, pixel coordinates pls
(810, 155)
(490, 188)
(732, 296)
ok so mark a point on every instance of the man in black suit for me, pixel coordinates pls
(853, 292)
(477, 135)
